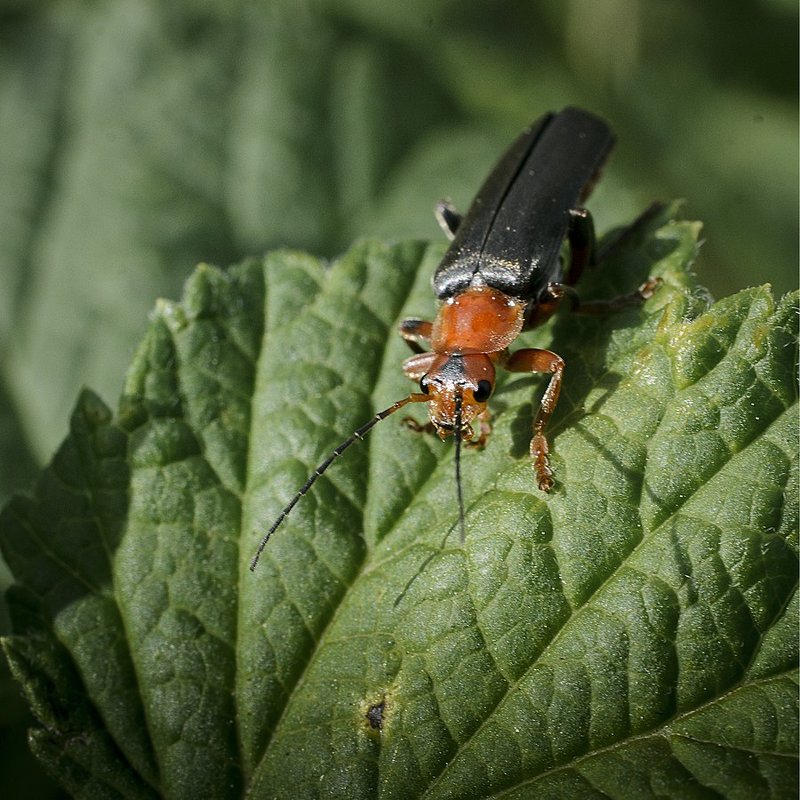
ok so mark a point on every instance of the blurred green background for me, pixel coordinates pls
(138, 138)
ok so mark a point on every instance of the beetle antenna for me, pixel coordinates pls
(459, 488)
(414, 397)
(460, 494)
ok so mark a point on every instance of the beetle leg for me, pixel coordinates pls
(618, 241)
(415, 367)
(448, 218)
(484, 430)
(598, 308)
(581, 244)
(539, 312)
(419, 427)
(414, 331)
(535, 360)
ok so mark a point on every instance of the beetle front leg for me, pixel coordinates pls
(415, 367)
(419, 427)
(535, 360)
(484, 430)
(414, 331)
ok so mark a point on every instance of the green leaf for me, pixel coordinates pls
(632, 634)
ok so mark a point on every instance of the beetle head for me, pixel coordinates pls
(457, 387)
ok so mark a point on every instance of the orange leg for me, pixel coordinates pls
(416, 366)
(534, 360)
(471, 440)
(415, 331)
(419, 427)
(484, 430)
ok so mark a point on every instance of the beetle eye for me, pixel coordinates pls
(482, 392)
(423, 384)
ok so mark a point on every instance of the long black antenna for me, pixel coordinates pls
(459, 489)
(415, 397)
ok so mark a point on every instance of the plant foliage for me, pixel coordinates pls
(632, 634)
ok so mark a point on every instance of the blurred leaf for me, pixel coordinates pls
(22, 775)
(137, 139)
(632, 634)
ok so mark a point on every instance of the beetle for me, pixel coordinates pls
(504, 273)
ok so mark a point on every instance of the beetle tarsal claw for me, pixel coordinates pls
(541, 462)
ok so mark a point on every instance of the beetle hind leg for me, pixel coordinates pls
(621, 238)
(599, 308)
(577, 238)
(581, 239)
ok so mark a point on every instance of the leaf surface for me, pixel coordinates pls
(632, 634)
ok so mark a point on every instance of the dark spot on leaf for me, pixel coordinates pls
(375, 715)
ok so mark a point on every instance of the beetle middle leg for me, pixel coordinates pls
(535, 360)
(581, 239)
